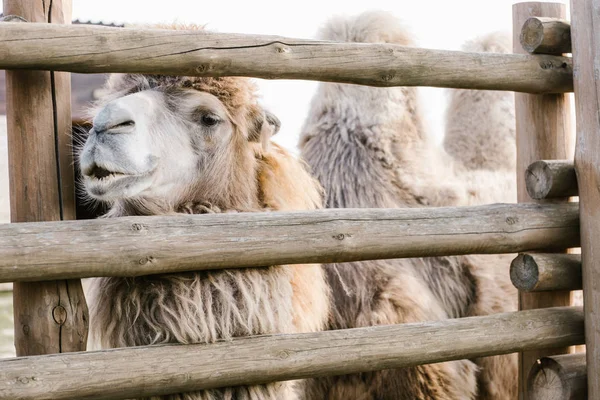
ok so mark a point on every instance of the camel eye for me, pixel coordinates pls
(209, 119)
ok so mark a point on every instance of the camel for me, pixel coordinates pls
(368, 148)
(165, 145)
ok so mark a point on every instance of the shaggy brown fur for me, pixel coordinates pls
(243, 173)
(368, 148)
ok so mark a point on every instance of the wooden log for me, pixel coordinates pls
(585, 21)
(50, 317)
(135, 246)
(546, 36)
(543, 133)
(547, 179)
(541, 272)
(92, 49)
(135, 372)
(559, 378)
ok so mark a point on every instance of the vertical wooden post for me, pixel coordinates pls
(585, 34)
(50, 317)
(543, 133)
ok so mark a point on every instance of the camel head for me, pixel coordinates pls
(160, 141)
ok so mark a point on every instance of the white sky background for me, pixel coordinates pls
(440, 24)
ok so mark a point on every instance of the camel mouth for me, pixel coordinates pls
(100, 173)
(105, 184)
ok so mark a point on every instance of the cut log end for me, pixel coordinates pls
(546, 272)
(546, 383)
(546, 36)
(524, 272)
(551, 179)
(532, 35)
(558, 378)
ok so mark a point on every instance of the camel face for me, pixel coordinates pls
(154, 143)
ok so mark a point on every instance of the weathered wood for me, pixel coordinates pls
(133, 246)
(559, 378)
(540, 272)
(154, 370)
(543, 133)
(88, 49)
(585, 22)
(41, 189)
(546, 36)
(547, 179)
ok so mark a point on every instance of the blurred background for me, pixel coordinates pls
(437, 24)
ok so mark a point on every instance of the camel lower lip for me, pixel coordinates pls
(112, 187)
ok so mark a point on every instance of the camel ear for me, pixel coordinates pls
(263, 126)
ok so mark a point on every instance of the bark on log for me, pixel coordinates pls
(134, 246)
(158, 370)
(92, 49)
(559, 378)
(546, 36)
(543, 272)
(585, 21)
(543, 133)
(42, 188)
(547, 179)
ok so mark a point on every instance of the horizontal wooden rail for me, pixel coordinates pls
(87, 49)
(547, 179)
(546, 36)
(542, 272)
(156, 370)
(562, 377)
(134, 246)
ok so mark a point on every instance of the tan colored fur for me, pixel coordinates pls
(368, 148)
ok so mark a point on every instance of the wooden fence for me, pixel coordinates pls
(46, 259)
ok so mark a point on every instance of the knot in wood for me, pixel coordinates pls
(387, 77)
(138, 227)
(512, 220)
(146, 260)
(202, 68)
(546, 64)
(24, 380)
(283, 354)
(59, 313)
(280, 48)
(339, 236)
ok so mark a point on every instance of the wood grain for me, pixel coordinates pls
(92, 49)
(546, 179)
(543, 133)
(559, 378)
(546, 36)
(543, 272)
(585, 22)
(134, 246)
(154, 370)
(41, 188)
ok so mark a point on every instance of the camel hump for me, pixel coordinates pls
(368, 27)
(493, 42)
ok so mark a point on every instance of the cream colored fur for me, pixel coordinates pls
(368, 148)
(198, 145)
